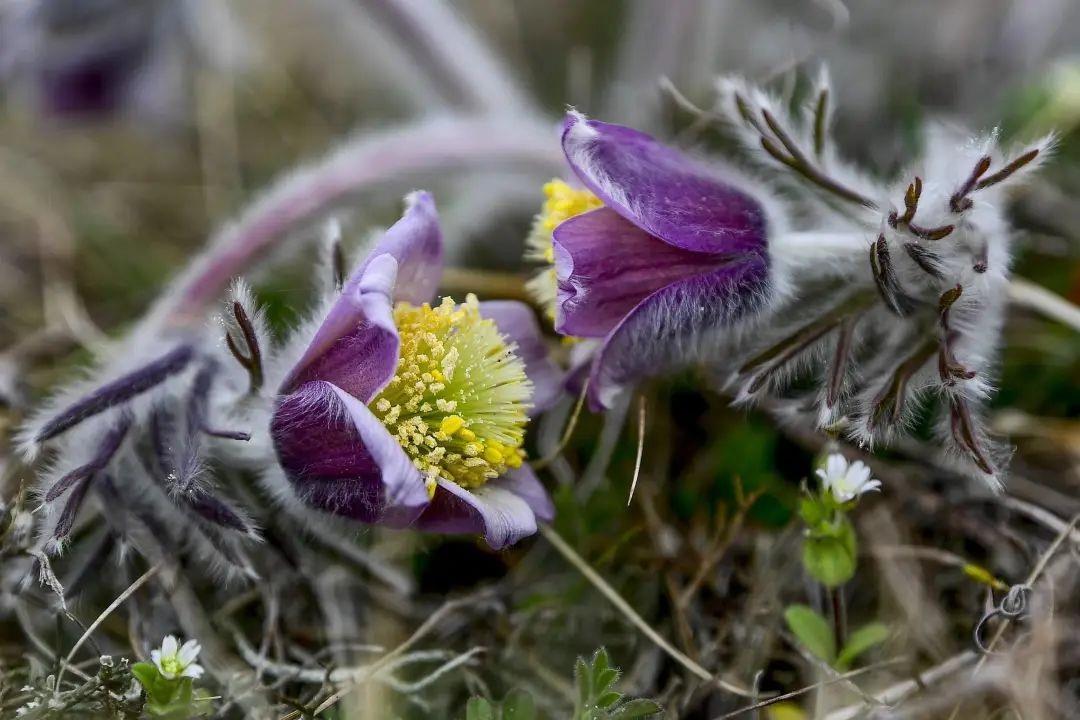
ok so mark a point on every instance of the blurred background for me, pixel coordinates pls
(131, 131)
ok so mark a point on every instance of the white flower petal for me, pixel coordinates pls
(189, 652)
(169, 646)
(858, 474)
(193, 671)
(836, 466)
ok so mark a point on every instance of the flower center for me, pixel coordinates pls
(172, 665)
(459, 400)
(561, 202)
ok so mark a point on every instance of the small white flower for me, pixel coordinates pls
(846, 481)
(175, 661)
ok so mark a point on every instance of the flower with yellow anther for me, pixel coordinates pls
(458, 403)
(405, 410)
(561, 202)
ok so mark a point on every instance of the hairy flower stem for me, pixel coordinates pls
(370, 160)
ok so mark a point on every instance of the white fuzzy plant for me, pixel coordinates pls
(891, 294)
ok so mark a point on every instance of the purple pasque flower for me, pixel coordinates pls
(409, 413)
(677, 249)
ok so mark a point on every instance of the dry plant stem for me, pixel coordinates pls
(639, 622)
(1028, 294)
(485, 283)
(933, 554)
(811, 688)
(545, 461)
(720, 549)
(1036, 572)
(1044, 559)
(900, 691)
(368, 161)
(640, 449)
(27, 627)
(433, 620)
(142, 580)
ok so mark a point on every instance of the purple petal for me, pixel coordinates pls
(523, 482)
(606, 266)
(504, 511)
(663, 330)
(517, 322)
(340, 458)
(415, 241)
(356, 347)
(662, 191)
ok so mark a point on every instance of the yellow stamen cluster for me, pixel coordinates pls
(459, 401)
(561, 202)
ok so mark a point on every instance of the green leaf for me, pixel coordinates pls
(636, 709)
(518, 705)
(860, 641)
(146, 673)
(603, 680)
(159, 689)
(812, 630)
(479, 709)
(811, 511)
(597, 699)
(831, 558)
(608, 699)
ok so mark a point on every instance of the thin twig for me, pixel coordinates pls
(810, 688)
(639, 622)
(1027, 294)
(895, 693)
(640, 449)
(142, 580)
(554, 454)
(433, 620)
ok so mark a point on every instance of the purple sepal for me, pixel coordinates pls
(677, 251)
(605, 266)
(665, 327)
(356, 346)
(504, 511)
(340, 459)
(415, 241)
(662, 191)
